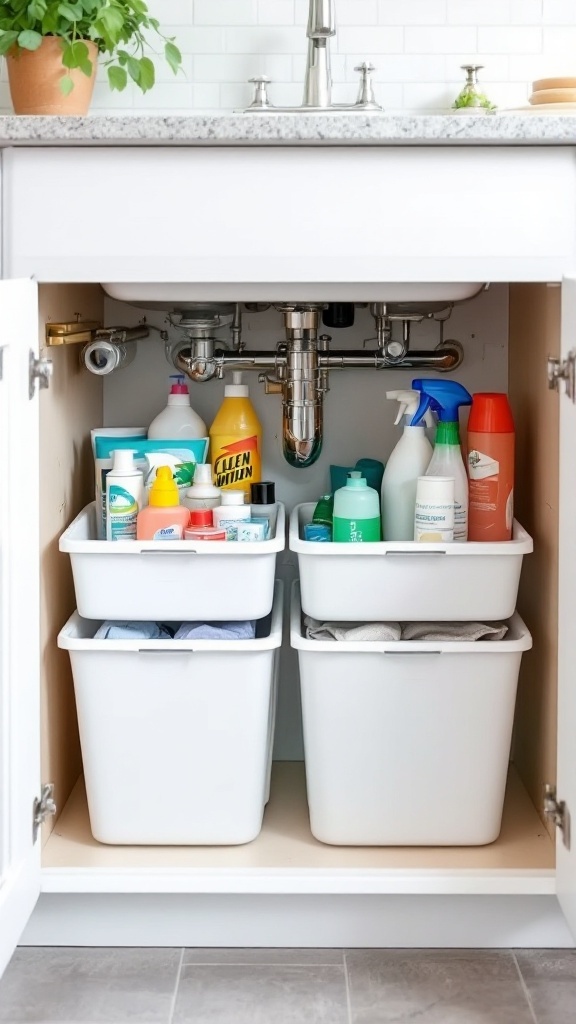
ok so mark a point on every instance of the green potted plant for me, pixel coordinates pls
(52, 49)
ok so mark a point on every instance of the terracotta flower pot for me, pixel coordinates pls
(35, 75)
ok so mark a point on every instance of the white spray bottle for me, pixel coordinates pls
(409, 460)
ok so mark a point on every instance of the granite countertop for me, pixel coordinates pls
(222, 129)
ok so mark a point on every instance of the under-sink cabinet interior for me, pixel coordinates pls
(507, 334)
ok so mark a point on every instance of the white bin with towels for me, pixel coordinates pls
(407, 743)
(176, 735)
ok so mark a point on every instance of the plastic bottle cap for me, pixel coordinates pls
(123, 460)
(164, 492)
(232, 498)
(491, 414)
(263, 493)
(179, 388)
(355, 480)
(237, 389)
(201, 517)
(202, 473)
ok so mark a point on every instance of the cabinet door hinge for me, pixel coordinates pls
(557, 812)
(44, 807)
(563, 369)
(40, 370)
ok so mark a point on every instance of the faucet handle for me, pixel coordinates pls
(261, 100)
(366, 98)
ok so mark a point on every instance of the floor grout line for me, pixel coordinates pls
(525, 989)
(347, 983)
(176, 987)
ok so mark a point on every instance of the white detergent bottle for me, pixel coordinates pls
(409, 460)
(178, 419)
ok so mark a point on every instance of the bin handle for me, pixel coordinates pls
(164, 650)
(167, 549)
(413, 551)
(411, 654)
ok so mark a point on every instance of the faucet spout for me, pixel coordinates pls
(321, 27)
(321, 19)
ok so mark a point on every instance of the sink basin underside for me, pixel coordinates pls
(168, 296)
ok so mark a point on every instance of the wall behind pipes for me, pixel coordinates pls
(417, 46)
(358, 421)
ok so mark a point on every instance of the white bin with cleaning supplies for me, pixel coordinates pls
(176, 580)
(407, 743)
(176, 735)
(407, 581)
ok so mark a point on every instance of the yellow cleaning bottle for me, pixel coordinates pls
(236, 440)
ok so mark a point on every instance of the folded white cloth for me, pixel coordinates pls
(216, 631)
(132, 631)
(453, 631)
(351, 631)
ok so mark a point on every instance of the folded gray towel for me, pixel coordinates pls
(348, 632)
(351, 631)
(453, 631)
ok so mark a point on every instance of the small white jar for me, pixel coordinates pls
(231, 512)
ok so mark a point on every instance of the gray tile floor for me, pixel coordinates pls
(289, 986)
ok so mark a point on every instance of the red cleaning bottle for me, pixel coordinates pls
(490, 446)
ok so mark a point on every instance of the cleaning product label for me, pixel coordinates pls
(174, 532)
(356, 531)
(231, 527)
(123, 512)
(484, 481)
(236, 462)
(434, 522)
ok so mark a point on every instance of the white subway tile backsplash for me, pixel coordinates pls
(559, 12)
(417, 45)
(357, 12)
(225, 12)
(373, 41)
(242, 67)
(263, 39)
(276, 12)
(525, 12)
(562, 41)
(440, 40)
(479, 12)
(402, 67)
(412, 12)
(510, 39)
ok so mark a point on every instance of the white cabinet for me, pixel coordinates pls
(254, 224)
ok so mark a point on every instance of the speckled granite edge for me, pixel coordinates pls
(290, 129)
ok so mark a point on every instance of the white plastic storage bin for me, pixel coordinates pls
(175, 580)
(176, 735)
(406, 581)
(407, 744)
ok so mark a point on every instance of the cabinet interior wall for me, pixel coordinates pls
(504, 329)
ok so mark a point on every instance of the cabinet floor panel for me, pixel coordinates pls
(286, 858)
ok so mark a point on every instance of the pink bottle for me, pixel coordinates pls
(164, 518)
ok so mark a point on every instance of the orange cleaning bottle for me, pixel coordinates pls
(236, 440)
(490, 445)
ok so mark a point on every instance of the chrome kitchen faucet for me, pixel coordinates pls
(318, 81)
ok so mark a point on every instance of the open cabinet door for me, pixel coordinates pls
(19, 613)
(566, 784)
